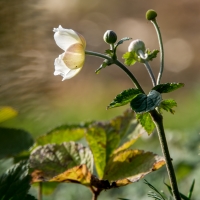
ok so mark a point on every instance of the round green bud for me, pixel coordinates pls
(110, 37)
(136, 45)
(151, 14)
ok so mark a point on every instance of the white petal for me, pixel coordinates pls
(66, 37)
(63, 70)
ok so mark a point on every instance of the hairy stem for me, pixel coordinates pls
(150, 73)
(119, 64)
(161, 50)
(158, 120)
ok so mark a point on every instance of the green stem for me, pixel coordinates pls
(40, 191)
(150, 73)
(119, 64)
(158, 120)
(161, 50)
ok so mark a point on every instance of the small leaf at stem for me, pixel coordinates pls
(103, 65)
(6, 113)
(130, 58)
(151, 54)
(167, 87)
(167, 105)
(146, 122)
(124, 98)
(122, 40)
(144, 103)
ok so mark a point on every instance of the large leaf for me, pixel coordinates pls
(167, 87)
(104, 137)
(146, 122)
(6, 113)
(124, 98)
(131, 165)
(15, 183)
(14, 141)
(53, 159)
(144, 103)
(63, 133)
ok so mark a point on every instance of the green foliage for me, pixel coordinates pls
(15, 183)
(144, 103)
(167, 105)
(151, 54)
(14, 141)
(53, 159)
(105, 62)
(124, 98)
(6, 113)
(64, 133)
(146, 122)
(130, 58)
(167, 87)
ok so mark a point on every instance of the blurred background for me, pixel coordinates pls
(43, 101)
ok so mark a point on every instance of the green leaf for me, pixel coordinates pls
(96, 138)
(54, 159)
(131, 165)
(122, 41)
(104, 137)
(109, 52)
(64, 133)
(6, 113)
(152, 55)
(191, 190)
(167, 105)
(15, 183)
(103, 65)
(123, 98)
(130, 58)
(167, 87)
(146, 122)
(144, 103)
(14, 141)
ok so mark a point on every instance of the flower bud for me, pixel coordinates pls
(136, 45)
(110, 37)
(151, 14)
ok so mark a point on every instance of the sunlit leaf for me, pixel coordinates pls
(167, 87)
(14, 141)
(63, 133)
(131, 165)
(146, 122)
(130, 58)
(53, 159)
(167, 105)
(144, 103)
(124, 98)
(96, 138)
(15, 183)
(6, 113)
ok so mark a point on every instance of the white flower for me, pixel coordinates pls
(69, 63)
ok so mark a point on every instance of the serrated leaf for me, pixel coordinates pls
(53, 159)
(64, 133)
(131, 165)
(144, 103)
(122, 41)
(6, 113)
(124, 98)
(167, 87)
(14, 141)
(130, 58)
(152, 55)
(167, 105)
(104, 137)
(15, 183)
(146, 122)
